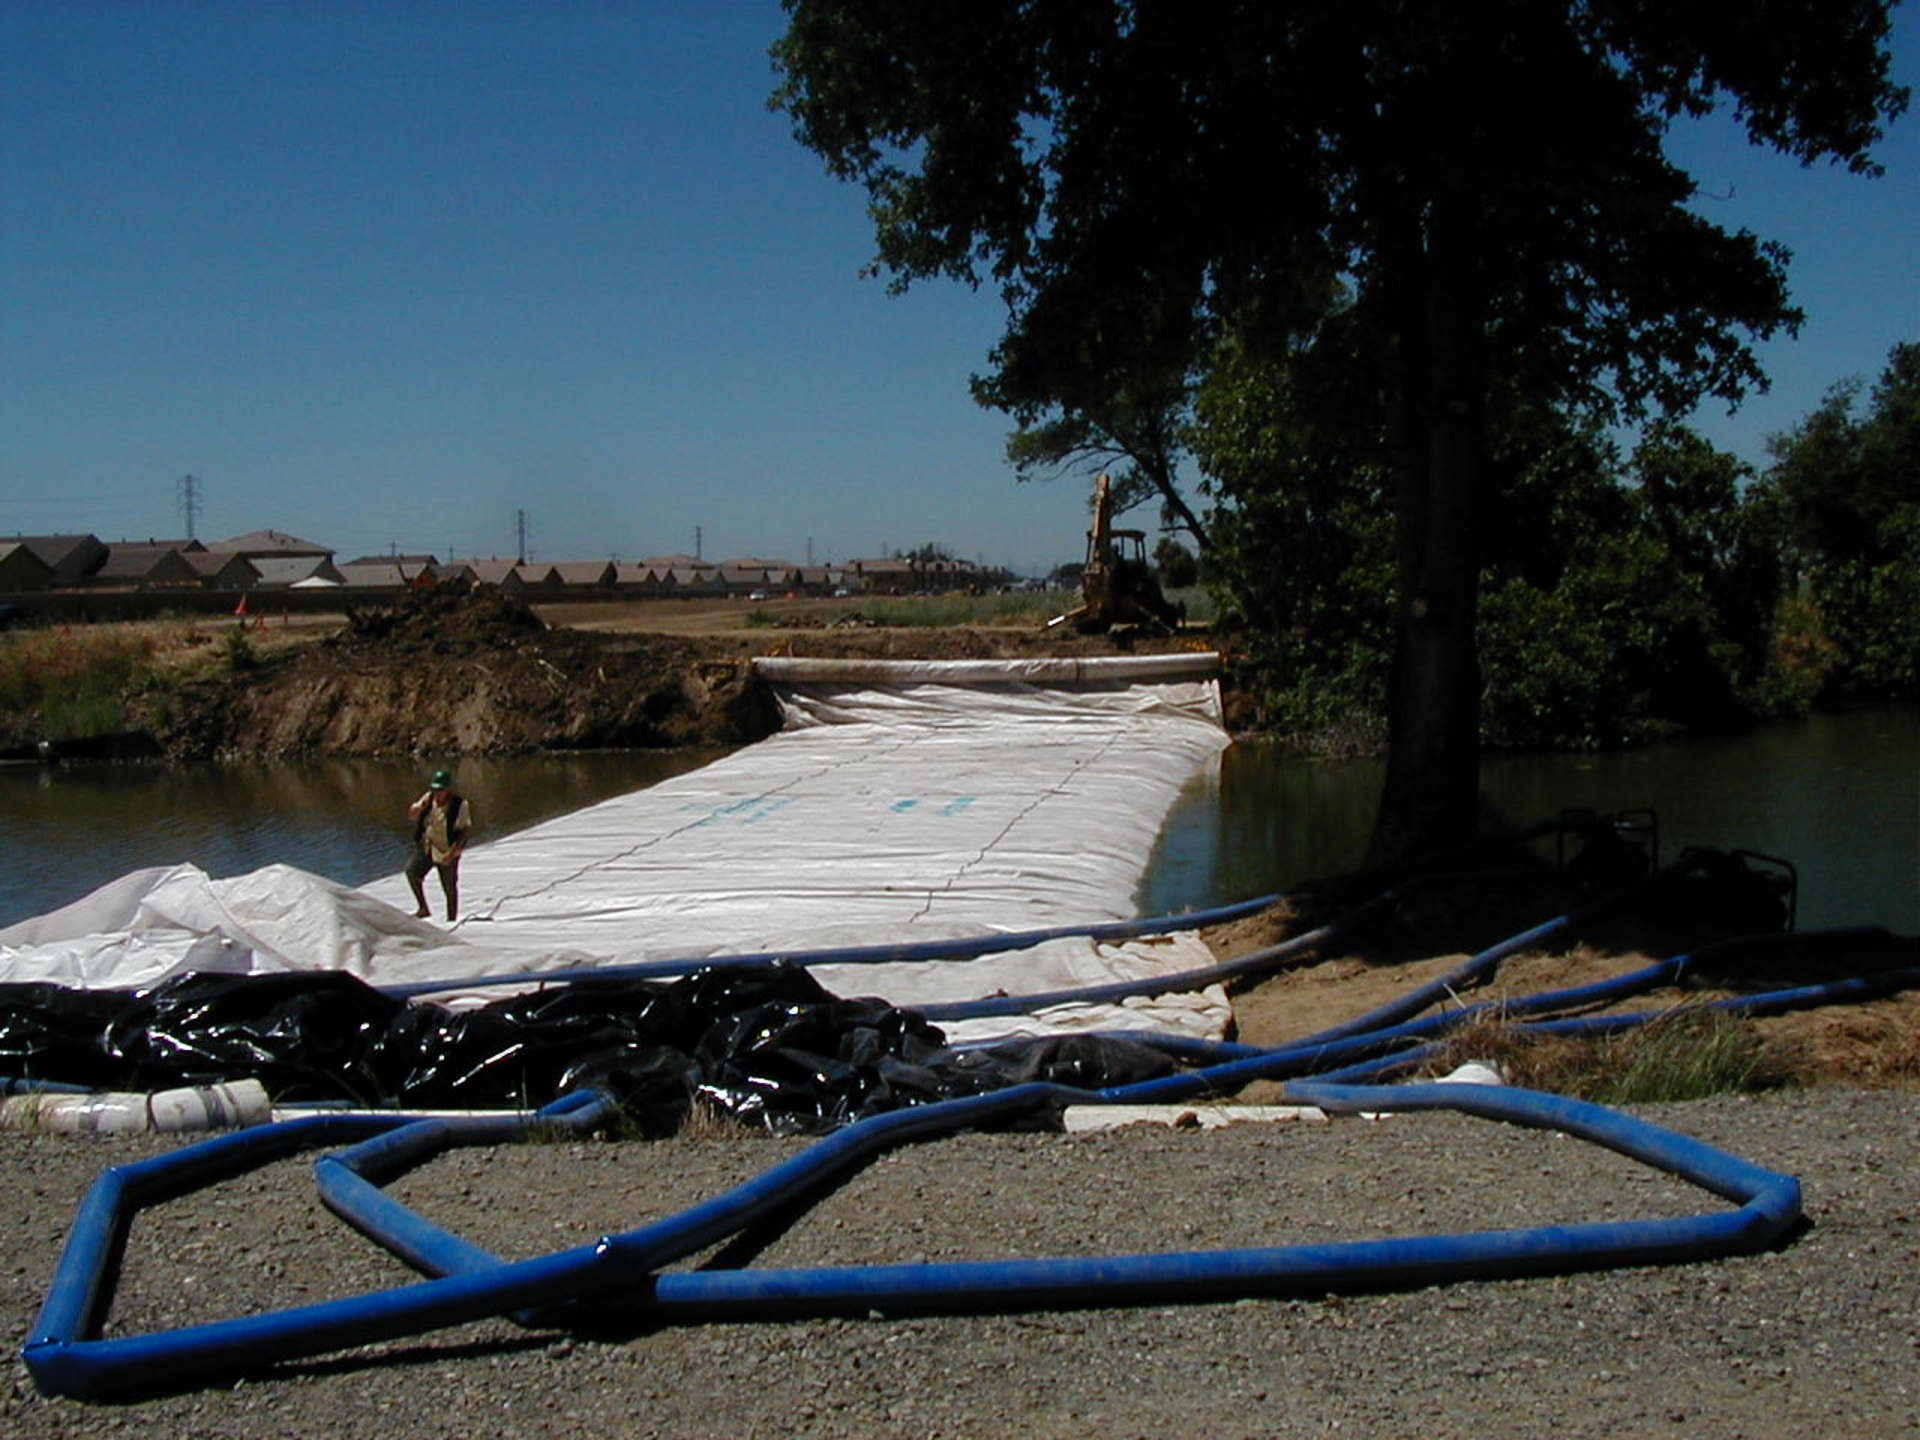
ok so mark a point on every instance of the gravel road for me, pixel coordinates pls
(1821, 1337)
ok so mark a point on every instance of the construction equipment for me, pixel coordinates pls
(1116, 584)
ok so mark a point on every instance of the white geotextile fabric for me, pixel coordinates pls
(883, 812)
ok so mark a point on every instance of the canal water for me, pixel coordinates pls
(1838, 795)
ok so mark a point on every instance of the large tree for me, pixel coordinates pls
(1849, 486)
(1486, 181)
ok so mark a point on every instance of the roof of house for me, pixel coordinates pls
(25, 569)
(584, 572)
(388, 572)
(132, 564)
(271, 542)
(209, 565)
(292, 569)
(75, 552)
(705, 578)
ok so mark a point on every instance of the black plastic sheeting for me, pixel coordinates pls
(766, 1044)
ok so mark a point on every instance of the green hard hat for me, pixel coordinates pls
(441, 779)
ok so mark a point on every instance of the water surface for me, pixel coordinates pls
(1836, 794)
(67, 829)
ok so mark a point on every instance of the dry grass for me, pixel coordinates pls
(1686, 1054)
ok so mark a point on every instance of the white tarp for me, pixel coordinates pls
(901, 802)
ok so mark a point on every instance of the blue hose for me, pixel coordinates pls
(470, 1283)
(956, 949)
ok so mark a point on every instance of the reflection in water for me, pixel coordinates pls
(65, 830)
(1838, 795)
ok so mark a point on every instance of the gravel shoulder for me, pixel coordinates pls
(1819, 1337)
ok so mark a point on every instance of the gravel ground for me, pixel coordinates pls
(1821, 1337)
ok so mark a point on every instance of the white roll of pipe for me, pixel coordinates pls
(192, 1108)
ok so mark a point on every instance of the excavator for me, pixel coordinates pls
(1117, 585)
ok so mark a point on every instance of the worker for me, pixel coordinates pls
(441, 823)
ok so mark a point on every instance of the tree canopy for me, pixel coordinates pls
(1467, 203)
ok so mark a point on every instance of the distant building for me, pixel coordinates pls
(223, 572)
(70, 558)
(272, 545)
(142, 566)
(507, 574)
(584, 574)
(21, 569)
(631, 579)
(284, 572)
(388, 574)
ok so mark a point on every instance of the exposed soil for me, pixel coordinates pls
(480, 672)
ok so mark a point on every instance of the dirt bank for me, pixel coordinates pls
(479, 672)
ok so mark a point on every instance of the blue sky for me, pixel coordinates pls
(386, 274)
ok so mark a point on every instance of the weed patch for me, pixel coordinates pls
(1687, 1054)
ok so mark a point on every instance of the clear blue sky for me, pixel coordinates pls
(385, 273)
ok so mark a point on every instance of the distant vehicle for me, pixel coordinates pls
(842, 593)
(759, 595)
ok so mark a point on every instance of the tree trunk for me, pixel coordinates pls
(1431, 798)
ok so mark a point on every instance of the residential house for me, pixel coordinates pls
(884, 576)
(142, 566)
(71, 558)
(284, 572)
(389, 574)
(273, 545)
(631, 579)
(222, 572)
(491, 570)
(21, 569)
(585, 574)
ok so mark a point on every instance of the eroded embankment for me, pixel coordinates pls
(469, 672)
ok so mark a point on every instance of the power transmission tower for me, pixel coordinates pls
(189, 490)
(696, 542)
(520, 523)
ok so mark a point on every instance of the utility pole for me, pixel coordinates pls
(696, 542)
(809, 551)
(520, 526)
(189, 501)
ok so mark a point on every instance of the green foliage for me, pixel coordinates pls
(66, 684)
(939, 611)
(1170, 200)
(1848, 493)
(239, 649)
(1688, 1054)
(1175, 564)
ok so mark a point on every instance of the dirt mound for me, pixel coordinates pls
(473, 672)
(443, 620)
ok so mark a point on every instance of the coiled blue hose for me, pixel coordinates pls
(468, 1283)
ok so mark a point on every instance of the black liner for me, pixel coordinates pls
(764, 1043)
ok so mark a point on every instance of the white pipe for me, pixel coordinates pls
(206, 1107)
